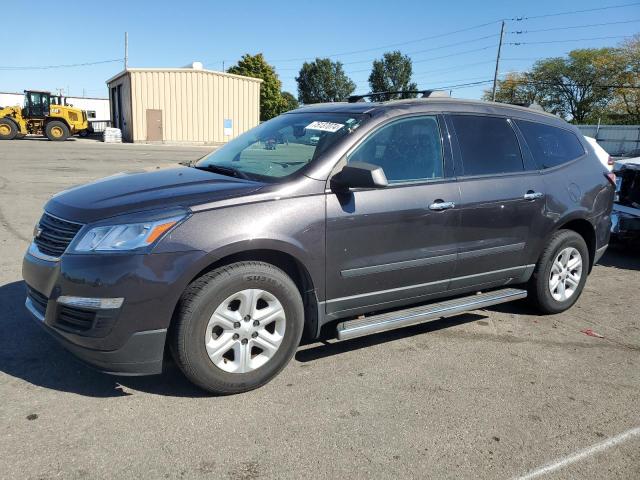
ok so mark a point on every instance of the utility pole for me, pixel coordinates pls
(495, 75)
(223, 65)
(126, 50)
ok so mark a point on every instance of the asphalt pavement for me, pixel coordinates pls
(496, 393)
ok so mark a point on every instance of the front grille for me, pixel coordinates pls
(55, 235)
(38, 300)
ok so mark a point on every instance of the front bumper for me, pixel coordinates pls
(129, 340)
(142, 354)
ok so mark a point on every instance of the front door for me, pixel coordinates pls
(502, 202)
(391, 246)
(154, 125)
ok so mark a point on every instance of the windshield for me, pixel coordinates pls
(280, 147)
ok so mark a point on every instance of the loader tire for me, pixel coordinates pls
(57, 131)
(8, 129)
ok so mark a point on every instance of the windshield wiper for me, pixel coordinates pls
(228, 171)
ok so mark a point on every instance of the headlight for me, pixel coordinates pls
(109, 238)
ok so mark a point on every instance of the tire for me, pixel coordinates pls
(215, 368)
(8, 129)
(567, 292)
(57, 131)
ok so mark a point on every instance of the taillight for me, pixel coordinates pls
(610, 161)
(611, 177)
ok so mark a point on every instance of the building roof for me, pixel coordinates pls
(188, 69)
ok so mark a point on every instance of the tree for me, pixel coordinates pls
(514, 88)
(625, 104)
(576, 87)
(271, 101)
(290, 102)
(392, 73)
(323, 81)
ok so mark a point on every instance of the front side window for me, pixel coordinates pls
(550, 146)
(281, 146)
(408, 150)
(488, 145)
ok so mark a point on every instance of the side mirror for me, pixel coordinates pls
(359, 175)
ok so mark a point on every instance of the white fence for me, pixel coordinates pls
(617, 140)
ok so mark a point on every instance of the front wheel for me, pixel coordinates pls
(8, 130)
(561, 272)
(237, 327)
(57, 131)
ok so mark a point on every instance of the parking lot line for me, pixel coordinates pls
(580, 455)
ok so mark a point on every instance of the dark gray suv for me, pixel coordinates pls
(360, 217)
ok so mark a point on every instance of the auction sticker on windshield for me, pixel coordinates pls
(325, 126)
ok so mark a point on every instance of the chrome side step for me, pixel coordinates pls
(410, 316)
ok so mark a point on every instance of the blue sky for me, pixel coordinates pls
(171, 34)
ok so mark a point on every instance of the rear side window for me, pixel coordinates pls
(488, 145)
(550, 146)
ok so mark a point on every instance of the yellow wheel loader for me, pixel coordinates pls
(41, 115)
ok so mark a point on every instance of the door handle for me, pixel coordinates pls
(531, 195)
(440, 205)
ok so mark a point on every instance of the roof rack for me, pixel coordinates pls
(424, 93)
(531, 105)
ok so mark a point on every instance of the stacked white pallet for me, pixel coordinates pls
(112, 135)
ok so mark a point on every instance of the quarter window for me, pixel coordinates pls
(407, 150)
(550, 146)
(488, 145)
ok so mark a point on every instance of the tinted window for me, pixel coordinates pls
(407, 150)
(488, 145)
(550, 146)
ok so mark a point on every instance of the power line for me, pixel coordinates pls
(392, 45)
(573, 12)
(520, 32)
(49, 67)
(431, 49)
(420, 51)
(564, 41)
(422, 60)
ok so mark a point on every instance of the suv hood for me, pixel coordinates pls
(138, 191)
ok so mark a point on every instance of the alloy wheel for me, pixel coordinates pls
(565, 275)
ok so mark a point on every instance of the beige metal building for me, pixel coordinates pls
(183, 105)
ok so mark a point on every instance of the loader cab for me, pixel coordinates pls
(36, 104)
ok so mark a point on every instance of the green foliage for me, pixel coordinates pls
(625, 104)
(271, 101)
(514, 88)
(392, 73)
(323, 81)
(586, 85)
(290, 102)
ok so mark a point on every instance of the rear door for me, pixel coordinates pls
(502, 201)
(394, 245)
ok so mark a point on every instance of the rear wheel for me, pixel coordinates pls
(8, 129)
(561, 273)
(237, 327)
(57, 131)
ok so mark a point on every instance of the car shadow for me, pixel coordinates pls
(29, 353)
(330, 346)
(623, 255)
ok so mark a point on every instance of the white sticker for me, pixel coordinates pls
(325, 126)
